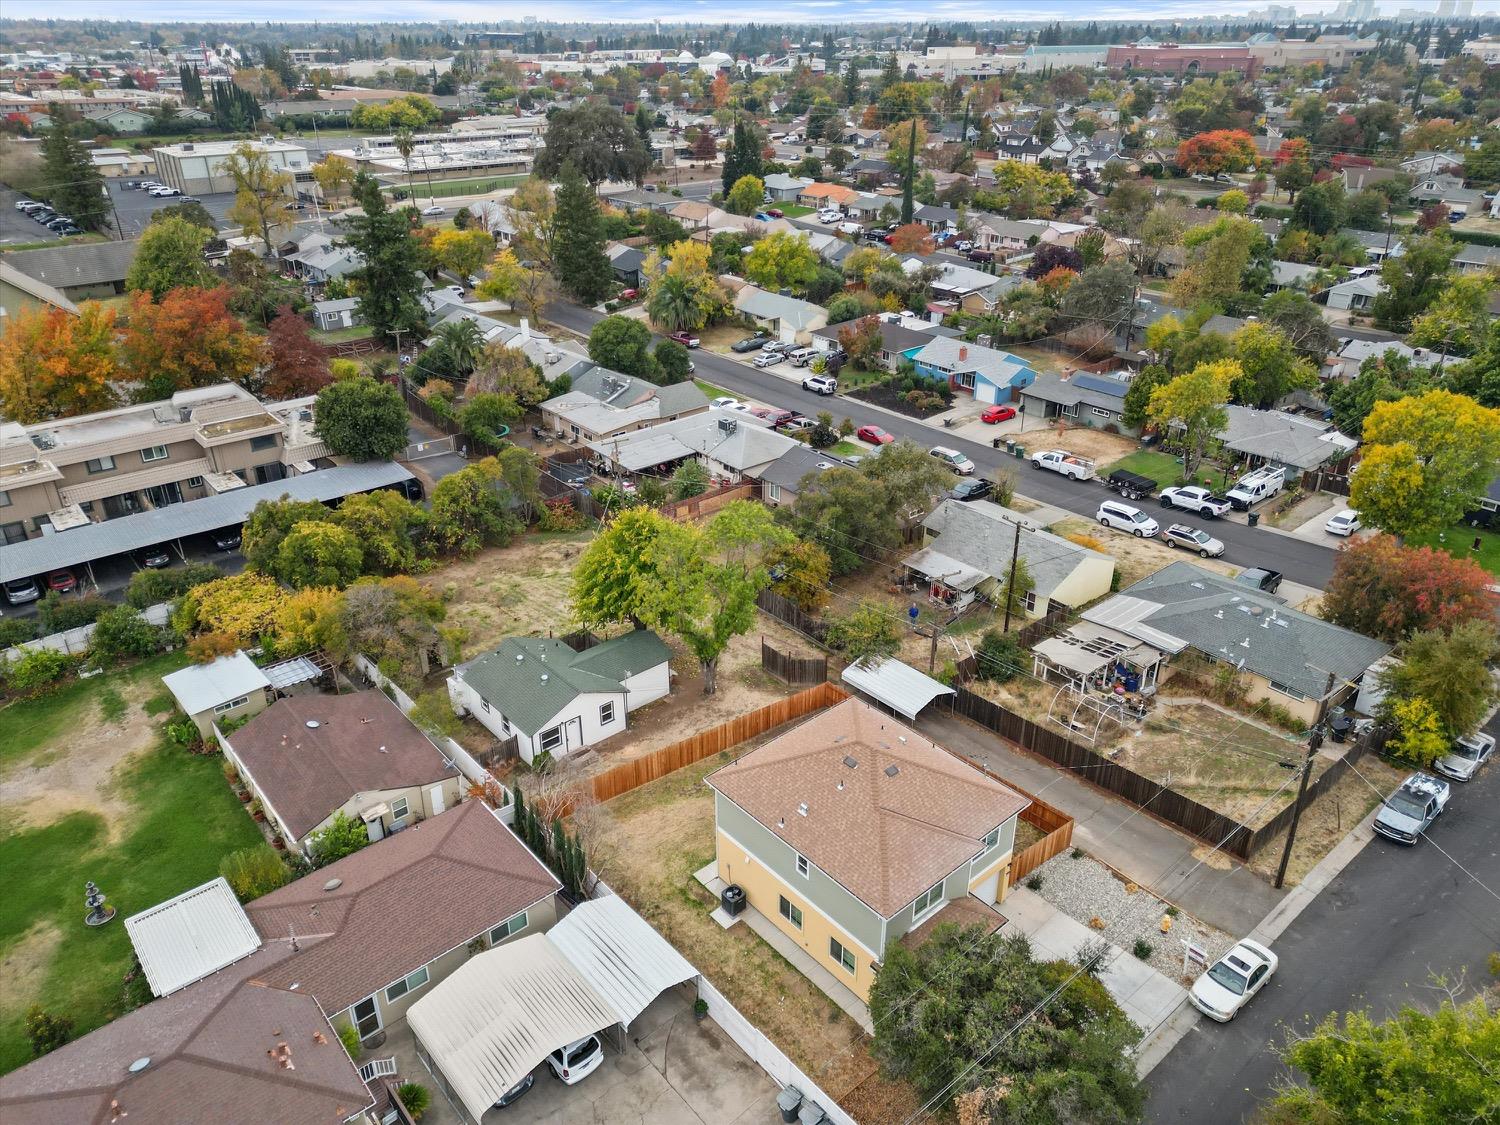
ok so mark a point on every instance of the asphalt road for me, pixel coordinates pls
(1300, 561)
(1393, 918)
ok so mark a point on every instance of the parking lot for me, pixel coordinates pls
(17, 228)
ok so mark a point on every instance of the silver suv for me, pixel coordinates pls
(1468, 754)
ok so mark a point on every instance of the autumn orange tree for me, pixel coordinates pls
(1222, 150)
(1383, 589)
(54, 364)
(913, 238)
(187, 339)
(295, 365)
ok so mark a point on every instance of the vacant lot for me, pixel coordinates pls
(661, 833)
(1082, 441)
(1136, 558)
(92, 792)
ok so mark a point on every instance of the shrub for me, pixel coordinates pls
(151, 587)
(252, 872)
(123, 632)
(46, 1031)
(38, 672)
(344, 836)
(15, 631)
(58, 614)
(210, 646)
(1141, 948)
(183, 733)
(1000, 658)
(559, 515)
(1034, 883)
(415, 1097)
(349, 1037)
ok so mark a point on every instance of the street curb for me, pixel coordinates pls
(1159, 1044)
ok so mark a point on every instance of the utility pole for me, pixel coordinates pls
(1314, 740)
(1010, 584)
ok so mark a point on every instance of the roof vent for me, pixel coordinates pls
(802, 809)
(140, 1064)
(313, 724)
(892, 771)
(333, 884)
(850, 761)
(841, 785)
(520, 656)
(544, 677)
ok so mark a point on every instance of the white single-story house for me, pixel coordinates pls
(556, 700)
(229, 687)
(790, 320)
(1357, 294)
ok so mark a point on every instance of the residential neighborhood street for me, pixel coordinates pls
(1384, 929)
(1303, 562)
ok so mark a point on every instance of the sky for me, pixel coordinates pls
(716, 11)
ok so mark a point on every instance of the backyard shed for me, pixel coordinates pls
(228, 687)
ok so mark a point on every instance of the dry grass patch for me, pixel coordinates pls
(1081, 441)
(659, 835)
(1137, 558)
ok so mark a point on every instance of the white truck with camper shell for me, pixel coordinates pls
(1254, 487)
(1061, 461)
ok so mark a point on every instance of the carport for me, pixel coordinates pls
(490, 1023)
(899, 686)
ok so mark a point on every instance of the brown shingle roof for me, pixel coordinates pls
(962, 912)
(908, 815)
(208, 1048)
(362, 743)
(400, 903)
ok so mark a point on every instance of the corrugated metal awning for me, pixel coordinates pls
(897, 685)
(618, 952)
(188, 937)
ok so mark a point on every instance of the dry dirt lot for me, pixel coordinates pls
(1135, 558)
(1082, 441)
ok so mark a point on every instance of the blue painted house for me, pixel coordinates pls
(988, 374)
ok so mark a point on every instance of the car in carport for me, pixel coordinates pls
(154, 558)
(19, 591)
(228, 539)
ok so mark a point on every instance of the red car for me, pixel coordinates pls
(62, 581)
(874, 435)
(628, 294)
(686, 339)
(998, 414)
(775, 212)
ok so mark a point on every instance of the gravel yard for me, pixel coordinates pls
(1084, 889)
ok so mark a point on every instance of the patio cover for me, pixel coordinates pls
(933, 565)
(620, 955)
(897, 685)
(190, 936)
(501, 1013)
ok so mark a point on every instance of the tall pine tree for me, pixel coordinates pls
(391, 301)
(742, 157)
(74, 186)
(578, 256)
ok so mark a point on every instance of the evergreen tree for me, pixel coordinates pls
(74, 186)
(192, 84)
(890, 73)
(851, 84)
(578, 256)
(908, 182)
(742, 157)
(643, 124)
(392, 298)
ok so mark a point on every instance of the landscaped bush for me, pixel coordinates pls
(46, 1031)
(415, 1097)
(15, 631)
(123, 632)
(252, 872)
(152, 587)
(559, 515)
(40, 671)
(57, 614)
(1000, 658)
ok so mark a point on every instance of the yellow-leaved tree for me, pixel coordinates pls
(1195, 403)
(54, 364)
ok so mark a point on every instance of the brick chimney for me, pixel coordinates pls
(963, 352)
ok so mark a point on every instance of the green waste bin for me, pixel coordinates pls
(1254, 519)
(1021, 452)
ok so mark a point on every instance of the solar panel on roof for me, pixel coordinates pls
(1113, 387)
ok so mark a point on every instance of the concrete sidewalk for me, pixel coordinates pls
(1160, 858)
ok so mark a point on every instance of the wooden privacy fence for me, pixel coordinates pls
(707, 503)
(789, 613)
(1056, 826)
(793, 669)
(1164, 803)
(640, 771)
(1315, 789)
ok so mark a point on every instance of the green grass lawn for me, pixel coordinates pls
(847, 449)
(712, 391)
(793, 210)
(1164, 468)
(851, 378)
(183, 819)
(340, 335)
(1458, 541)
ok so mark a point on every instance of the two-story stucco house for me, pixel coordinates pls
(852, 830)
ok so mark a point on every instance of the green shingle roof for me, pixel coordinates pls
(530, 680)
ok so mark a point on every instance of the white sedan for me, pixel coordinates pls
(1344, 523)
(1232, 980)
(435, 209)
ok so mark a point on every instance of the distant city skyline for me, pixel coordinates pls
(693, 11)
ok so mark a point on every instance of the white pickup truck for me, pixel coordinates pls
(1061, 461)
(1191, 498)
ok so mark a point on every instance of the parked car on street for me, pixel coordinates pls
(1194, 539)
(1191, 498)
(1469, 753)
(725, 402)
(820, 384)
(434, 209)
(686, 339)
(993, 414)
(1232, 981)
(750, 343)
(1411, 809)
(873, 434)
(1123, 517)
(1061, 461)
(1259, 578)
(953, 459)
(578, 1060)
(1343, 523)
(975, 488)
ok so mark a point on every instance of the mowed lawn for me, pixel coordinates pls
(182, 819)
(1163, 468)
(1458, 541)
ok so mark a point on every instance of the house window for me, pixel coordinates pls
(992, 839)
(1099, 412)
(13, 532)
(508, 927)
(399, 809)
(1288, 691)
(231, 705)
(1068, 411)
(195, 482)
(265, 441)
(409, 983)
(926, 901)
(606, 713)
(154, 453)
(100, 465)
(791, 913)
(4, 499)
(773, 492)
(552, 740)
(1029, 601)
(802, 867)
(504, 725)
(843, 956)
(483, 706)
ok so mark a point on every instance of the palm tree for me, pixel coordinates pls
(672, 304)
(462, 342)
(405, 146)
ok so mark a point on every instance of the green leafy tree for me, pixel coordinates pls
(390, 297)
(671, 362)
(120, 632)
(484, 504)
(613, 572)
(344, 835)
(1270, 366)
(1450, 671)
(600, 142)
(1382, 378)
(361, 419)
(800, 572)
(1011, 599)
(1000, 657)
(1217, 259)
(781, 260)
(578, 257)
(260, 200)
(1101, 295)
(746, 195)
(252, 872)
(1457, 319)
(1138, 394)
(868, 632)
(318, 553)
(1479, 377)
(690, 479)
(1321, 207)
(45, 1031)
(742, 157)
(1300, 320)
(1195, 402)
(388, 527)
(1417, 737)
(623, 344)
(168, 255)
(1414, 280)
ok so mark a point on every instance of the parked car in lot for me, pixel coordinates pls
(993, 414)
(228, 539)
(820, 384)
(873, 434)
(1411, 809)
(164, 191)
(686, 339)
(796, 424)
(975, 488)
(1194, 539)
(768, 359)
(1344, 523)
(1469, 753)
(577, 1061)
(19, 591)
(750, 343)
(725, 402)
(1232, 981)
(516, 1091)
(156, 558)
(953, 459)
(1123, 517)
(801, 357)
(1191, 498)
(62, 581)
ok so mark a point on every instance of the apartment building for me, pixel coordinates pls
(202, 442)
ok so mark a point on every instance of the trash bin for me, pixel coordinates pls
(1340, 727)
(1010, 444)
(1021, 452)
(1254, 519)
(787, 1101)
(811, 1114)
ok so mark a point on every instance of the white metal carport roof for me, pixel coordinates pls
(188, 937)
(618, 952)
(897, 685)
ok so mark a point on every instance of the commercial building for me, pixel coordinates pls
(1089, 55)
(197, 167)
(1185, 59)
(1332, 51)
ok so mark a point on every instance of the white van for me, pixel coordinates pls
(1254, 487)
(1123, 517)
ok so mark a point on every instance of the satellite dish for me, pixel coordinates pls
(140, 1065)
